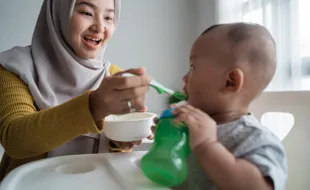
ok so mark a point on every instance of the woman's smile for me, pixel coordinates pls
(92, 42)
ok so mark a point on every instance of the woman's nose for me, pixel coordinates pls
(98, 27)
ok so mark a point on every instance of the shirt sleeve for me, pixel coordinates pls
(114, 69)
(26, 132)
(267, 153)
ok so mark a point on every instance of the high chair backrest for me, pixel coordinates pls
(294, 109)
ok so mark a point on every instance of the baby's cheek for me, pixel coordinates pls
(193, 96)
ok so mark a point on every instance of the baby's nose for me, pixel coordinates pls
(185, 78)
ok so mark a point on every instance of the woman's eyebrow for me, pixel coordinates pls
(89, 4)
(110, 10)
(86, 3)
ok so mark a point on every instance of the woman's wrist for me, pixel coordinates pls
(97, 113)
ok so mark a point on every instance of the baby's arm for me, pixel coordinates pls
(229, 172)
(259, 162)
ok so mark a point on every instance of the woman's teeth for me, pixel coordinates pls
(94, 40)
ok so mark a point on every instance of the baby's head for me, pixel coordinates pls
(231, 64)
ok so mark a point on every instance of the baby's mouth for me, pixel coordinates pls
(184, 89)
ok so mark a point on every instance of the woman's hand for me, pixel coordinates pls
(130, 145)
(117, 93)
(133, 144)
(154, 127)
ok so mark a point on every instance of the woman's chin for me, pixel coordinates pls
(86, 52)
(87, 55)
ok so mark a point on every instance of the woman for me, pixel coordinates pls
(47, 106)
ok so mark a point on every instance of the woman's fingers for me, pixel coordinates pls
(144, 109)
(135, 143)
(155, 120)
(121, 83)
(127, 145)
(137, 104)
(119, 95)
(135, 71)
(133, 93)
(153, 128)
(151, 136)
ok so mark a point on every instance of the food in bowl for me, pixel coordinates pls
(129, 127)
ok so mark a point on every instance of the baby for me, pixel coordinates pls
(230, 65)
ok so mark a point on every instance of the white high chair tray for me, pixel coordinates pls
(115, 171)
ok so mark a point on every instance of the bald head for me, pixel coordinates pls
(249, 46)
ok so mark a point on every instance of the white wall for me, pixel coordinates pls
(17, 21)
(206, 14)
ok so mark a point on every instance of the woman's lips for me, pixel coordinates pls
(91, 42)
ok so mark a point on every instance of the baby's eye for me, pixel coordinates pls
(191, 67)
(86, 13)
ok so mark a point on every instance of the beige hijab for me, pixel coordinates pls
(52, 71)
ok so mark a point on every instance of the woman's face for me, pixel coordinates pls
(91, 26)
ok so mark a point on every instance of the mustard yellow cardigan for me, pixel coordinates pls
(28, 134)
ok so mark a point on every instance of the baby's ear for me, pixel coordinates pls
(234, 80)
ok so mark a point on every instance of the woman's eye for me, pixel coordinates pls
(108, 18)
(86, 13)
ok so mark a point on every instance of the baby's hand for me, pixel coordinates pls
(202, 128)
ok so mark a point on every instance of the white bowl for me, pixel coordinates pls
(129, 127)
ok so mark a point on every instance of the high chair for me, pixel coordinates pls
(287, 115)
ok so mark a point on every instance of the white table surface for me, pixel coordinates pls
(110, 171)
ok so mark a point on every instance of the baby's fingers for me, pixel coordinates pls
(186, 118)
(179, 118)
(180, 110)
